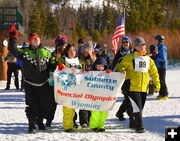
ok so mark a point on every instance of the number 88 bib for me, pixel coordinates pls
(141, 63)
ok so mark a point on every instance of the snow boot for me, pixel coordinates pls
(131, 120)
(48, 123)
(7, 88)
(32, 128)
(40, 124)
(120, 116)
(95, 129)
(69, 130)
(101, 130)
(139, 123)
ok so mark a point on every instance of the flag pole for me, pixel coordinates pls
(124, 20)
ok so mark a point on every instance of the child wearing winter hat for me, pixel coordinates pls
(98, 118)
(87, 58)
(138, 65)
(152, 54)
(60, 45)
(70, 60)
(35, 64)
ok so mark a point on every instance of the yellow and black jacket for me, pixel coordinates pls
(138, 81)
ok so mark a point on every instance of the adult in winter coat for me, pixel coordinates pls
(25, 45)
(35, 61)
(87, 58)
(138, 66)
(60, 45)
(125, 49)
(98, 118)
(161, 64)
(12, 68)
(69, 60)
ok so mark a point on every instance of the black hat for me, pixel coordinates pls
(152, 47)
(159, 38)
(81, 41)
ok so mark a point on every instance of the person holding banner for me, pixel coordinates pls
(69, 60)
(138, 66)
(87, 58)
(98, 118)
(60, 45)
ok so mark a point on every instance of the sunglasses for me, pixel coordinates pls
(140, 45)
(125, 42)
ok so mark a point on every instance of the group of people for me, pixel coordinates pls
(38, 65)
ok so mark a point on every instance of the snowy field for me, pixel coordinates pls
(157, 114)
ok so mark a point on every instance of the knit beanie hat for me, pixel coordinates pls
(88, 46)
(31, 36)
(60, 41)
(81, 41)
(126, 37)
(139, 40)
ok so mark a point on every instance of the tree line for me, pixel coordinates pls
(140, 15)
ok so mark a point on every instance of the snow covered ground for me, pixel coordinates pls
(157, 114)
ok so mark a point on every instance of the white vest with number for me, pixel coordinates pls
(141, 63)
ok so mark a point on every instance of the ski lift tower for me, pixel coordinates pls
(8, 16)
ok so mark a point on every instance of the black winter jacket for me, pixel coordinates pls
(35, 61)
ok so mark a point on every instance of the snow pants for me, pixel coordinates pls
(98, 119)
(84, 117)
(12, 68)
(68, 115)
(38, 101)
(162, 76)
(137, 100)
(52, 110)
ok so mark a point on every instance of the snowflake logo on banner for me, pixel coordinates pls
(66, 79)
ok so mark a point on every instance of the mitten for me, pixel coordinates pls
(61, 66)
(108, 71)
(87, 69)
(12, 31)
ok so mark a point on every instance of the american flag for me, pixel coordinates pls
(120, 31)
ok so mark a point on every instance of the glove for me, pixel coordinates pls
(61, 66)
(12, 31)
(108, 71)
(88, 69)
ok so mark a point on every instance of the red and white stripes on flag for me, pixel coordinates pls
(120, 31)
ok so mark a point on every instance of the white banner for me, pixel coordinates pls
(92, 90)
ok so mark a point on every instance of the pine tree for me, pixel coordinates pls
(98, 19)
(35, 21)
(52, 25)
(80, 31)
(143, 15)
(104, 17)
(110, 18)
(75, 36)
(104, 33)
(96, 35)
(44, 21)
